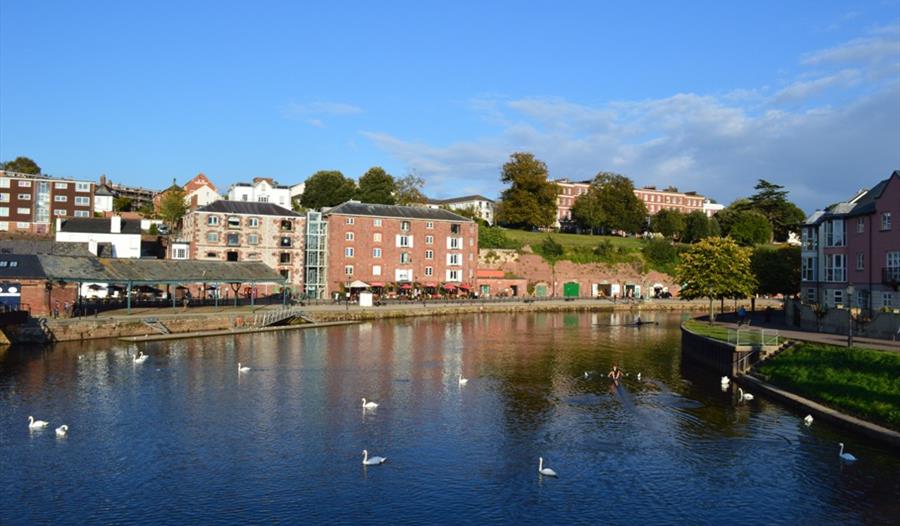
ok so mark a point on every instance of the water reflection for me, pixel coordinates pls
(185, 438)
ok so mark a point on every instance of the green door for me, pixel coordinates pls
(540, 291)
(570, 290)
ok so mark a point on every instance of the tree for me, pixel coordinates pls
(715, 268)
(669, 223)
(172, 206)
(327, 188)
(777, 270)
(551, 249)
(622, 209)
(122, 204)
(409, 190)
(696, 227)
(377, 186)
(750, 228)
(22, 165)
(530, 201)
(771, 201)
(587, 212)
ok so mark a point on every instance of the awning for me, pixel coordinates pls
(448, 286)
(359, 285)
(377, 284)
(464, 287)
(94, 286)
(430, 285)
(406, 286)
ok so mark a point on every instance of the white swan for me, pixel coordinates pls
(243, 369)
(845, 456)
(586, 375)
(725, 380)
(639, 377)
(463, 381)
(808, 420)
(374, 461)
(62, 431)
(369, 405)
(547, 472)
(141, 357)
(36, 424)
(744, 396)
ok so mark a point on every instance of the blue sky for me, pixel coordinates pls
(708, 96)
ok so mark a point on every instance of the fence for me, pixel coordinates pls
(754, 336)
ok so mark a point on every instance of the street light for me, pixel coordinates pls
(850, 316)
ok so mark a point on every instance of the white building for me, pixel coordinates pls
(262, 190)
(483, 206)
(105, 237)
(200, 191)
(297, 191)
(103, 199)
(711, 209)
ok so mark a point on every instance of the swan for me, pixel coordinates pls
(369, 405)
(808, 420)
(62, 431)
(845, 456)
(744, 396)
(36, 424)
(547, 472)
(586, 375)
(725, 380)
(243, 369)
(374, 461)
(639, 377)
(463, 381)
(141, 357)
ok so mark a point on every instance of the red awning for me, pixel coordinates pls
(377, 284)
(430, 285)
(464, 287)
(406, 286)
(449, 286)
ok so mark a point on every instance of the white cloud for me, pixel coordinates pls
(803, 89)
(882, 44)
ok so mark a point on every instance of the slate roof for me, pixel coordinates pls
(860, 204)
(354, 208)
(43, 246)
(463, 199)
(20, 266)
(98, 225)
(122, 270)
(253, 208)
(102, 190)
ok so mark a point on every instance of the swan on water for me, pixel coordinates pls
(36, 424)
(725, 380)
(586, 375)
(547, 472)
(639, 377)
(744, 396)
(62, 431)
(141, 357)
(463, 381)
(845, 456)
(808, 420)
(374, 461)
(242, 369)
(369, 405)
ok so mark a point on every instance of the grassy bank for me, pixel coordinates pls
(861, 382)
(748, 336)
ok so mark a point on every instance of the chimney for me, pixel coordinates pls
(92, 246)
(115, 224)
(103, 180)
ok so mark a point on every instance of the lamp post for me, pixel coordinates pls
(850, 316)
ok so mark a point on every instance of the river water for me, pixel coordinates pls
(184, 438)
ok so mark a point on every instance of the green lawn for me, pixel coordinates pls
(573, 241)
(861, 382)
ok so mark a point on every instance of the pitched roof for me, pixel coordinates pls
(102, 189)
(463, 199)
(223, 206)
(354, 208)
(110, 270)
(21, 266)
(863, 203)
(98, 225)
(43, 246)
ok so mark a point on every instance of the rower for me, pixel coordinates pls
(637, 320)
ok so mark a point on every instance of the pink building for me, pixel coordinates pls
(854, 244)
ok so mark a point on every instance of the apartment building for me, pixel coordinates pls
(261, 190)
(406, 248)
(248, 231)
(140, 197)
(568, 192)
(482, 206)
(850, 252)
(29, 203)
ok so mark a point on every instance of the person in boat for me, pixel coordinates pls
(615, 374)
(637, 320)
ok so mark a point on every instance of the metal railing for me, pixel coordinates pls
(754, 337)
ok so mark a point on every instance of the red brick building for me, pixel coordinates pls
(408, 249)
(31, 203)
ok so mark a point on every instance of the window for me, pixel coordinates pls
(860, 225)
(886, 221)
(244, 197)
(179, 253)
(837, 297)
(82, 213)
(429, 240)
(253, 222)
(376, 252)
(4, 211)
(892, 272)
(348, 252)
(23, 210)
(284, 258)
(453, 259)
(455, 228)
(82, 187)
(348, 270)
(212, 237)
(22, 224)
(376, 270)
(453, 275)
(810, 238)
(376, 237)
(252, 239)
(350, 221)
(4, 182)
(834, 233)
(234, 222)
(835, 268)
(404, 225)
(286, 241)
(4, 198)
(404, 241)
(211, 255)
(429, 254)
(60, 186)
(233, 239)
(429, 224)
(860, 262)
(59, 212)
(24, 184)
(376, 222)
(429, 271)
(887, 299)
(285, 273)
(60, 198)
(263, 199)
(454, 243)
(348, 236)
(810, 295)
(212, 220)
(82, 201)
(287, 225)
(404, 257)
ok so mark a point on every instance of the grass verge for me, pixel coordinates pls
(861, 382)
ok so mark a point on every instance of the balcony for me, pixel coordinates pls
(890, 276)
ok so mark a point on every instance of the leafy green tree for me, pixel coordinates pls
(622, 210)
(530, 201)
(172, 206)
(696, 227)
(715, 268)
(146, 210)
(376, 186)
(495, 237)
(552, 249)
(409, 190)
(669, 223)
(661, 254)
(777, 270)
(587, 212)
(469, 211)
(771, 201)
(327, 188)
(122, 204)
(22, 165)
(750, 228)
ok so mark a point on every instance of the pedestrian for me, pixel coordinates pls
(56, 309)
(741, 315)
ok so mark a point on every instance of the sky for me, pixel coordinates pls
(704, 96)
